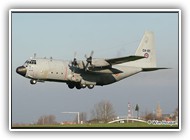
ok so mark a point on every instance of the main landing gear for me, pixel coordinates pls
(78, 86)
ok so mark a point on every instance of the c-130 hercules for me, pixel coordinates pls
(82, 74)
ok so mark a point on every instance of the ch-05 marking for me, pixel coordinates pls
(146, 50)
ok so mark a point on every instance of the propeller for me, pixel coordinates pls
(74, 62)
(88, 60)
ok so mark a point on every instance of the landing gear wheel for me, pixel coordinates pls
(83, 86)
(90, 86)
(78, 86)
(71, 86)
(33, 82)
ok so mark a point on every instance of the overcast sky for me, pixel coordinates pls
(110, 35)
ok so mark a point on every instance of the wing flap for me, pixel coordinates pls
(120, 60)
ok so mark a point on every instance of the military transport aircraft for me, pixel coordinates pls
(82, 74)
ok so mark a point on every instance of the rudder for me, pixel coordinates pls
(146, 49)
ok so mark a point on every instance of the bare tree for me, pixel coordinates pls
(50, 119)
(175, 114)
(103, 111)
(149, 116)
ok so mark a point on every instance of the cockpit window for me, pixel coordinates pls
(31, 62)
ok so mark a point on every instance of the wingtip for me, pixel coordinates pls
(153, 69)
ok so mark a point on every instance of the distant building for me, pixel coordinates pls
(158, 112)
(129, 113)
(67, 122)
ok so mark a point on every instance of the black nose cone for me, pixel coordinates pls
(21, 70)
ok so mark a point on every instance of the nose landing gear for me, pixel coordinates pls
(33, 81)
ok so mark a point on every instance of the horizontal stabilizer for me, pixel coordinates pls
(120, 60)
(152, 69)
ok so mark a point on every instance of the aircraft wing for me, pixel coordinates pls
(152, 69)
(120, 60)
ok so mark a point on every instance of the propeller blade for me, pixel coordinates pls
(85, 56)
(75, 54)
(88, 60)
(86, 66)
(92, 52)
(74, 62)
(83, 65)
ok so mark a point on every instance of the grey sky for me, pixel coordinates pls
(110, 35)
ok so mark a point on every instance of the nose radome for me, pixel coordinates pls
(21, 70)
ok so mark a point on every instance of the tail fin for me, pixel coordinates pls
(146, 48)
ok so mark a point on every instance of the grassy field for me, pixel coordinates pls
(137, 125)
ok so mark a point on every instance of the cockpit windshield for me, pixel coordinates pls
(30, 62)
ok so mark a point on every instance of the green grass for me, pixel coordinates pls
(91, 126)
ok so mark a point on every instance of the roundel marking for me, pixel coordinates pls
(146, 55)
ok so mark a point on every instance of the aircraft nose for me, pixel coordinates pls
(21, 70)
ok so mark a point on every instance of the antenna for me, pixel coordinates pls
(34, 55)
(51, 58)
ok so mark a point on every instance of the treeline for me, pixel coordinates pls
(102, 112)
(49, 119)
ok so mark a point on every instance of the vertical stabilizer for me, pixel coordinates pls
(147, 49)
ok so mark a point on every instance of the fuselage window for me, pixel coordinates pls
(56, 72)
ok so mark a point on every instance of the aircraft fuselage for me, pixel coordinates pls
(81, 74)
(40, 70)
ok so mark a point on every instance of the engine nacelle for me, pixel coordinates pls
(100, 63)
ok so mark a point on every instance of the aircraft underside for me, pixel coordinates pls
(91, 79)
(98, 80)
